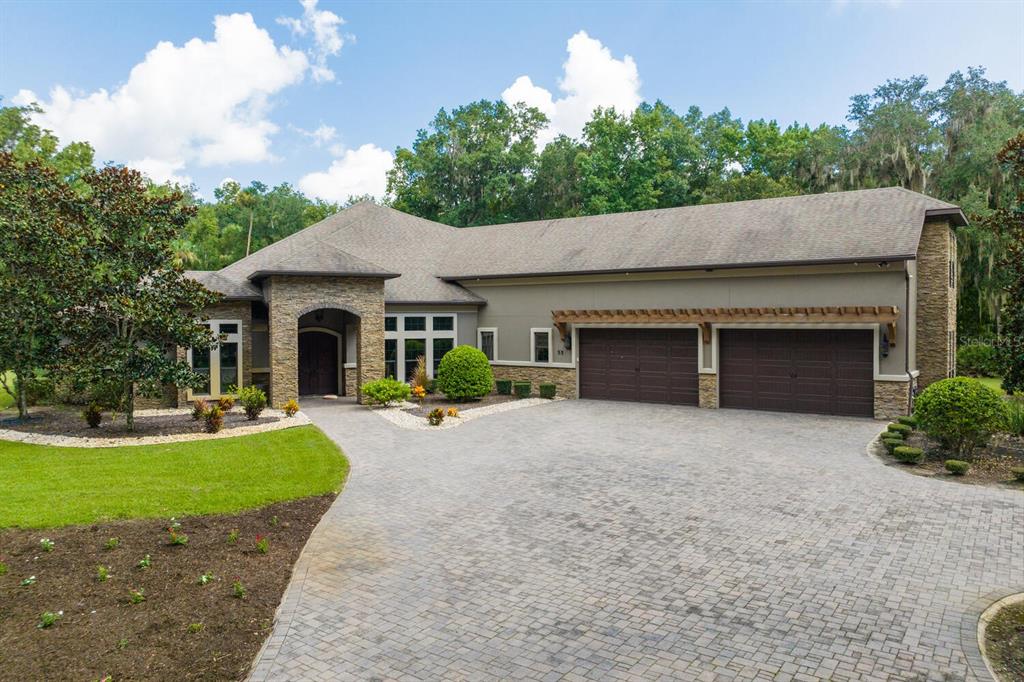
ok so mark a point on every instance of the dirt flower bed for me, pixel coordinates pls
(67, 421)
(435, 400)
(1004, 642)
(992, 465)
(181, 625)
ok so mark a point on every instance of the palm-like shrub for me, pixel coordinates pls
(386, 391)
(961, 413)
(464, 374)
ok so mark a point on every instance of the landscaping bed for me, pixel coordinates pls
(182, 629)
(1004, 642)
(60, 420)
(991, 465)
(436, 400)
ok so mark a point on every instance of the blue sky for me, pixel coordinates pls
(286, 92)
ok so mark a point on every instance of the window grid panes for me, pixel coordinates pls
(443, 323)
(408, 336)
(391, 358)
(540, 347)
(487, 344)
(415, 324)
(390, 323)
(441, 346)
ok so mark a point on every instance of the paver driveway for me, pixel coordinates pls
(605, 540)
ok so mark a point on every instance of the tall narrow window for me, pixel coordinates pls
(414, 348)
(487, 342)
(201, 365)
(391, 358)
(220, 366)
(541, 345)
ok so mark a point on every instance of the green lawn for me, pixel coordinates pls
(42, 486)
(995, 383)
(6, 399)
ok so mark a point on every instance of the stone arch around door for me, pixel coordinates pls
(290, 297)
(321, 365)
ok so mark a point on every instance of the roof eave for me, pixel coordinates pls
(955, 215)
(260, 274)
(686, 268)
(388, 301)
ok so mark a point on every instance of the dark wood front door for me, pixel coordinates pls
(645, 365)
(797, 370)
(318, 363)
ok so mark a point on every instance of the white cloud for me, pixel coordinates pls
(321, 136)
(204, 102)
(592, 77)
(324, 26)
(353, 173)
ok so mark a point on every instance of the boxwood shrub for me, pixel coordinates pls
(1018, 473)
(504, 386)
(957, 467)
(547, 391)
(901, 429)
(522, 388)
(908, 420)
(908, 455)
(961, 413)
(386, 391)
(464, 374)
(892, 443)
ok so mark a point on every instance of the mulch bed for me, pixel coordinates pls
(1004, 642)
(435, 400)
(59, 420)
(102, 634)
(991, 465)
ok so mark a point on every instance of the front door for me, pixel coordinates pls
(318, 363)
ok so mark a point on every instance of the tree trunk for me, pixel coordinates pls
(129, 407)
(21, 394)
(248, 239)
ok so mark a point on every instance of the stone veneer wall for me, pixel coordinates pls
(288, 298)
(708, 387)
(350, 381)
(936, 303)
(892, 399)
(564, 378)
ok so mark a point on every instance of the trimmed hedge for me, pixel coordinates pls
(464, 373)
(522, 388)
(908, 455)
(892, 443)
(960, 413)
(901, 429)
(957, 467)
(386, 391)
(504, 386)
(909, 420)
(547, 391)
(1018, 473)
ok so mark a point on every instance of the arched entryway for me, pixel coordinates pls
(320, 362)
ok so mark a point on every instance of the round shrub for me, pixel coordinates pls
(977, 360)
(386, 391)
(961, 413)
(901, 429)
(464, 374)
(957, 467)
(908, 455)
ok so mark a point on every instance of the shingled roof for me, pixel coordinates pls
(422, 260)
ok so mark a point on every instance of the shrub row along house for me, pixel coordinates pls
(840, 303)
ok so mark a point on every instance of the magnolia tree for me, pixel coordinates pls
(135, 307)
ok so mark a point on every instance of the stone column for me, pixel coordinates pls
(283, 325)
(369, 348)
(708, 387)
(936, 303)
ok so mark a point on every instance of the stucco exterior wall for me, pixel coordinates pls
(936, 303)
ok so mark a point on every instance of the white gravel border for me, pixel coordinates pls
(397, 415)
(299, 419)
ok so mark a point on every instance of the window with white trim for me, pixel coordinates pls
(407, 336)
(540, 345)
(487, 342)
(221, 365)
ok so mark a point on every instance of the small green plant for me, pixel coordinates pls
(145, 562)
(547, 391)
(908, 420)
(3, 568)
(908, 455)
(901, 429)
(175, 536)
(436, 416)
(262, 544)
(213, 419)
(290, 408)
(957, 467)
(233, 536)
(49, 619)
(31, 580)
(136, 596)
(253, 401)
(238, 589)
(195, 628)
(111, 543)
(93, 415)
(205, 578)
(1018, 474)
(102, 573)
(199, 409)
(1015, 417)
(386, 391)
(122, 643)
(503, 386)
(464, 373)
(522, 389)
(46, 544)
(274, 520)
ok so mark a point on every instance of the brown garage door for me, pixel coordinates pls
(646, 365)
(822, 372)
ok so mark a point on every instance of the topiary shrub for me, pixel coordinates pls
(892, 443)
(547, 391)
(464, 374)
(977, 360)
(504, 386)
(908, 420)
(908, 455)
(522, 388)
(386, 391)
(901, 429)
(957, 467)
(961, 413)
(253, 401)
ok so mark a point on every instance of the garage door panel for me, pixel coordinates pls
(645, 365)
(817, 371)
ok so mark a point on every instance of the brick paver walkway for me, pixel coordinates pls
(589, 540)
